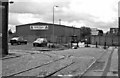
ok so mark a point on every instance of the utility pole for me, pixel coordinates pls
(5, 12)
(1, 28)
(118, 39)
(119, 48)
(5, 28)
(53, 24)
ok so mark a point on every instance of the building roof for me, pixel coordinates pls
(38, 23)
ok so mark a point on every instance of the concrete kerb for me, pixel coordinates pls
(82, 74)
(111, 50)
(10, 55)
(105, 65)
(18, 53)
(99, 46)
(114, 71)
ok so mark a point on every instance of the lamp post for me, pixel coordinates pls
(59, 21)
(5, 14)
(53, 22)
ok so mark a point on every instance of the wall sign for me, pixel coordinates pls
(39, 27)
(94, 31)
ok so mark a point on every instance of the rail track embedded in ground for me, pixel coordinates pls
(51, 74)
(27, 51)
(14, 74)
(80, 75)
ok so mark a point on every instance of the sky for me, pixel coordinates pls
(101, 14)
(119, 9)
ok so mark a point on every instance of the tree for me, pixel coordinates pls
(85, 31)
(107, 33)
(10, 32)
(100, 32)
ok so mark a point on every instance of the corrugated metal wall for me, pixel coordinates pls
(61, 33)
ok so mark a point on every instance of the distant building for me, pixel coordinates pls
(94, 31)
(114, 31)
(57, 33)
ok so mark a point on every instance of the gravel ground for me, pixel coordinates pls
(81, 52)
(82, 58)
(10, 66)
(76, 68)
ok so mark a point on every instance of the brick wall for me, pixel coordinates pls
(110, 40)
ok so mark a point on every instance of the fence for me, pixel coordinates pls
(101, 40)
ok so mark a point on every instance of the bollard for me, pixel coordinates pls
(105, 45)
(77, 44)
(71, 45)
(96, 45)
(87, 43)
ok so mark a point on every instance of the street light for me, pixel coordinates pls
(11, 2)
(53, 21)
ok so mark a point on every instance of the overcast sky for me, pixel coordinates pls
(102, 14)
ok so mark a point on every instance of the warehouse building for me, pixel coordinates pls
(54, 33)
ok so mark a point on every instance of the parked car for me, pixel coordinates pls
(18, 40)
(84, 40)
(40, 42)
